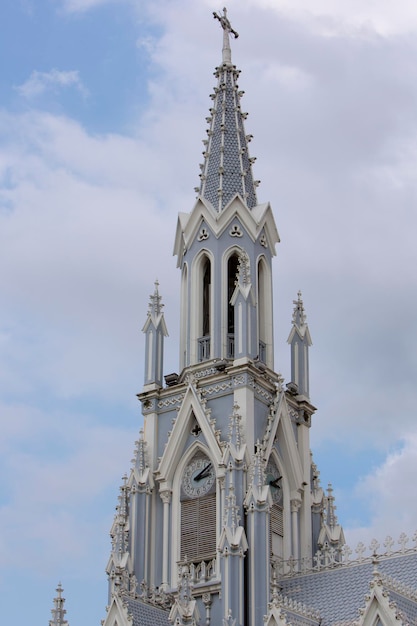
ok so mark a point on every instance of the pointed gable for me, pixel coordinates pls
(379, 609)
(258, 222)
(192, 408)
(128, 611)
(117, 614)
(280, 426)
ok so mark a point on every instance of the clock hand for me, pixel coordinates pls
(274, 483)
(203, 473)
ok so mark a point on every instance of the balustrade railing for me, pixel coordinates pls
(200, 570)
(230, 346)
(204, 348)
(329, 556)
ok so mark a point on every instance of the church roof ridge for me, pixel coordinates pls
(227, 167)
(300, 608)
(394, 584)
(329, 558)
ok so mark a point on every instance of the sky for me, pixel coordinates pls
(102, 114)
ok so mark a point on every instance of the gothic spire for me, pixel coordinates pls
(58, 612)
(227, 167)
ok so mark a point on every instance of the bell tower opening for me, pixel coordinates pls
(261, 311)
(184, 317)
(232, 265)
(206, 297)
(205, 308)
(264, 305)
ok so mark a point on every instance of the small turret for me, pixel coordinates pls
(300, 341)
(58, 612)
(232, 547)
(155, 330)
(257, 504)
(331, 533)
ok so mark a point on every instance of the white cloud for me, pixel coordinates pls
(354, 17)
(388, 492)
(81, 201)
(84, 460)
(40, 82)
(80, 6)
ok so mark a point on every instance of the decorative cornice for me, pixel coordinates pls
(155, 596)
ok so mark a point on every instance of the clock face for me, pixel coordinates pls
(274, 480)
(198, 477)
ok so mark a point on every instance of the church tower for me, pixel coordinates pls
(222, 495)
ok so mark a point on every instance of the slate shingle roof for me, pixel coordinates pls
(340, 592)
(227, 168)
(145, 614)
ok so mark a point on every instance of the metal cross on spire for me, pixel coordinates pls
(227, 28)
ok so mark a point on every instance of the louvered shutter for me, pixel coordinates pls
(276, 529)
(198, 528)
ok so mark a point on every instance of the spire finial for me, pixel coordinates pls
(331, 507)
(155, 304)
(227, 28)
(299, 316)
(140, 459)
(58, 612)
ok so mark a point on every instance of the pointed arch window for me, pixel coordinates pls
(264, 311)
(206, 296)
(232, 265)
(184, 316)
(204, 347)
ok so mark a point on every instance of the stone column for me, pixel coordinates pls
(166, 499)
(295, 506)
